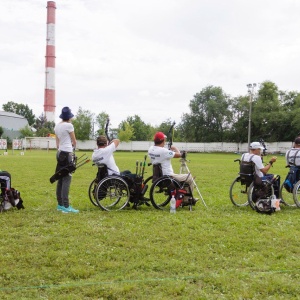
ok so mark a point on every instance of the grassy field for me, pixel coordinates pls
(218, 252)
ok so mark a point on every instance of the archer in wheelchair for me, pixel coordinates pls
(290, 189)
(165, 181)
(112, 189)
(253, 185)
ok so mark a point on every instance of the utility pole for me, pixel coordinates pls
(251, 87)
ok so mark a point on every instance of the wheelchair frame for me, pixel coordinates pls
(115, 192)
(242, 187)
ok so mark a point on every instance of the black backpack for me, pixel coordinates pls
(247, 170)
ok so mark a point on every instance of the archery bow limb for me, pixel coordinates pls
(170, 135)
(106, 130)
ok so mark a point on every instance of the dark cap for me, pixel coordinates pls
(297, 140)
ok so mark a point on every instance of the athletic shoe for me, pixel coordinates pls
(64, 209)
(59, 207)
(71, 209)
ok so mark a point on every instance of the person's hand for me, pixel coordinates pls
(272, 160)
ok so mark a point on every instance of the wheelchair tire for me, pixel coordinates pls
(112, 193)
(160, 192)
(250, 195)
(287, 197)
(238, 193)
(296, 193)
(91, 192)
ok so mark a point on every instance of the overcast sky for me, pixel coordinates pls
(146, 58)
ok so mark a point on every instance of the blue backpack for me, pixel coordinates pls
(291, 178)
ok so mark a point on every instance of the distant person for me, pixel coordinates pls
(254, 155)
(161, 155)
(65, 142)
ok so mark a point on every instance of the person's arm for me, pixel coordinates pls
(116, 142)
(177, 152)
(57, 142)
(266, 169)
(73, 139)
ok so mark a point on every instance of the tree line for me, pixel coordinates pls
(214, 117)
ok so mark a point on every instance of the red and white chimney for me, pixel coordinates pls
(49, 100)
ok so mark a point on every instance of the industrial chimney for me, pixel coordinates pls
(49, 99)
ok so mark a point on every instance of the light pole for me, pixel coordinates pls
(250, 87)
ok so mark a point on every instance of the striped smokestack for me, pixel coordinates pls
(49, 100)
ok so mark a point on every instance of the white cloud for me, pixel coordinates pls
(146, 58)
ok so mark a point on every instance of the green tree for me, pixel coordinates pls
(1, 131)
(126, 134)
(210, 116)
(26, 132)
(83, 124)
(20, 109)
(240, 120)
(266, 112)
(43, 127)
(142, 131)
(101, 120)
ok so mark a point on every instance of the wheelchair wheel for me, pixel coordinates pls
(160, 192)
(296, 193)
(92, 189)
(286, 197)
(269, 193)
(238, 193)
(112, 193)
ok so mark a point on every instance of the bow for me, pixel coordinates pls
(264, 145)
(170, 135)
(106, 130)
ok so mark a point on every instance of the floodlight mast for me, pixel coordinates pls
(251, 87)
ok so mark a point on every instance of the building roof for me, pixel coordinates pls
(12, 123)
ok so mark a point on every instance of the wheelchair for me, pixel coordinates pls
(243, 190)
(162, 188)
(115, 192)
(292, 197)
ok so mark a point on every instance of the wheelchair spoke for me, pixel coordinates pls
(112, 193)
(238, 193)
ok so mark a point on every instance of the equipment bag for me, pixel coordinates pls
(291, 179)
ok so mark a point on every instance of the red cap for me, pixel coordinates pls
(159, 137)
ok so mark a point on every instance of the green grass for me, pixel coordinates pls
(218, 252)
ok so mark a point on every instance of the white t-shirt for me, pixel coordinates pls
(160, 155)
(105, 156)
(62, 131)
(257, 160)
(292, 157)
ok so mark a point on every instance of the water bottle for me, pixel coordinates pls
(173, 205)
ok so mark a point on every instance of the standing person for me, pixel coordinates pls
(161, 155)
(104, 154)
(65, 143)
(254, 155)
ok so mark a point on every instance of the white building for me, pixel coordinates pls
(11, 124)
